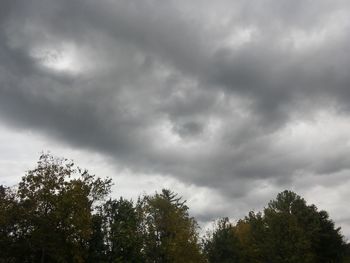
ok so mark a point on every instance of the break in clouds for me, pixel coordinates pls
(230, 96)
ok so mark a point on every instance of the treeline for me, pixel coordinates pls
(60, 213)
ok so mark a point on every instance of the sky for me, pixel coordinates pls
(225, 102)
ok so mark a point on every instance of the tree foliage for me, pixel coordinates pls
(223, 244)
(170, 234)
(61, 213)
(49, 216)
(122, 225)
(288, 231)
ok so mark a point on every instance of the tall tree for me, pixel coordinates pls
(286, 238)
(122, 225)
(170, 234)
(288, 231)
(251, 232)
(55, 201)
(222, 244)
(298, 232)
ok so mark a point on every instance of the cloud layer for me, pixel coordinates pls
(231, 97)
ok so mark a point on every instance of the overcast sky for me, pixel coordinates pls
(225, 102)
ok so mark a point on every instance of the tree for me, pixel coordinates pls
(10, 233)
(54, 203)
(347, 253)
(222, 244)
(98, 249)
(286, 237)
(251, 232)
(58, 213)
(122, 225)
(288, 231)
(329, 245)
(170, 234)
(298, 232)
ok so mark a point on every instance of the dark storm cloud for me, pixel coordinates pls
(192, 90)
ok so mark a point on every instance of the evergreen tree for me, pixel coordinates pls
(170, 234)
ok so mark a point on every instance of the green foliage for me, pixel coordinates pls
(299, 233)
(97, 251)
(58, 213)
(52, 216)
(289, 231)
(170, 235)
(10, 232)
(222, 245)
(252, 233)
(122, 225)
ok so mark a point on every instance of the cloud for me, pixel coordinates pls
(225, 96)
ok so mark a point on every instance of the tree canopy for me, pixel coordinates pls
(287, 231)
(48, 217)
(169, 232)
(61, 213)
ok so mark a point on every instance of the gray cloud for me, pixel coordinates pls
(222, 95)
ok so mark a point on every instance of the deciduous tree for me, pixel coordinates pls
(54, 204)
